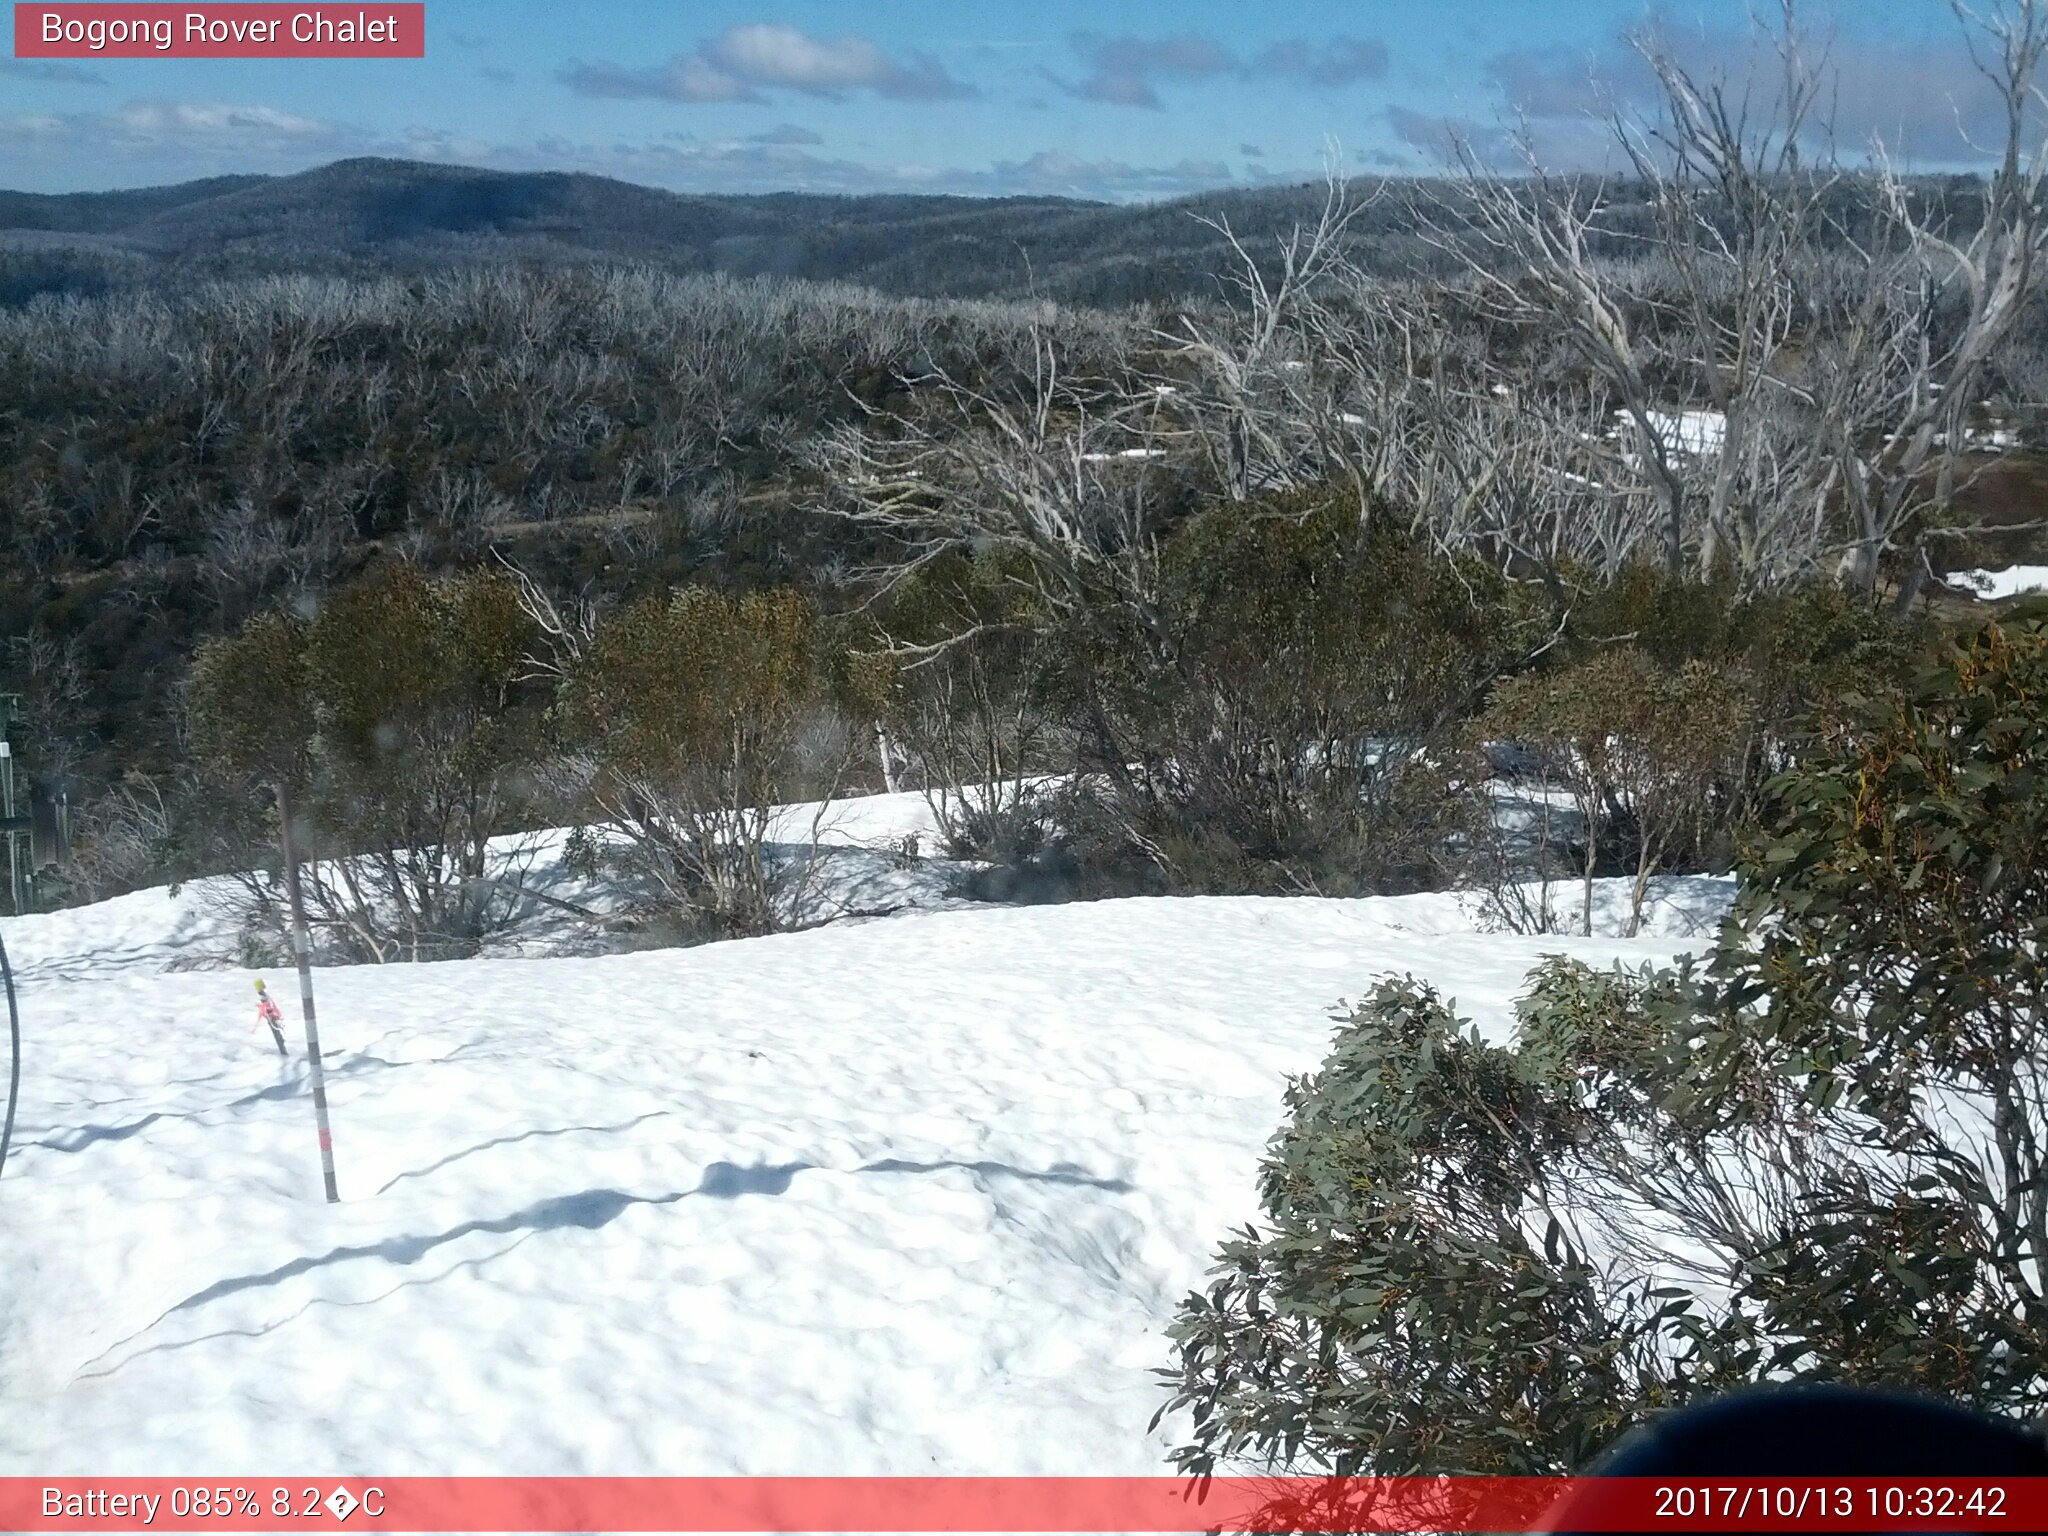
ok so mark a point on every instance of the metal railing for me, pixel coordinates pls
(36, 829)
(16, 824)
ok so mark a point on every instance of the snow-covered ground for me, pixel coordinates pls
(2010, 582)
(908, 1195)
(1699, 433)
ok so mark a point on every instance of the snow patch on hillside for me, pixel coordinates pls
(2011, 582)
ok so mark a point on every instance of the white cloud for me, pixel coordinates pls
(1927, 104)
(1121, 70)
(154, 141)
(168, 141)
(1068, 175)
(1328, 62)
(1125, 71)
(166, 119)
(20, 127)
(743, 63)
(1442, 136)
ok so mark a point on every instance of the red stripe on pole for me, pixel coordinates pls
(1015, 1504)
(327, 1141)
(373, 30)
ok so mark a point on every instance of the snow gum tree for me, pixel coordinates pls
(1640, 748)
(976, 691)
(690, 717)
(1412, 1301)
(1287, 718)
(429, 752)
(249, 710)
(393, 719)
(250, 705)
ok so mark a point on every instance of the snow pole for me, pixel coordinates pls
(302, 950)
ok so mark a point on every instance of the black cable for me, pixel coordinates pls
(13, 1055)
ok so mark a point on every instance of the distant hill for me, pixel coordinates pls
(105, 213)
(365, 215)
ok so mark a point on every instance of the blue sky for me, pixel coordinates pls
(1120, 101)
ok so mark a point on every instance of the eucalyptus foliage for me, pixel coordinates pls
(394, 720)
(1824, 1154)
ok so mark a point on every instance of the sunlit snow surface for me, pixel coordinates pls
(2010, 582)
(907, 1195)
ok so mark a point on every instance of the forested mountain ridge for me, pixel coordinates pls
(238, 396)
(358, 217)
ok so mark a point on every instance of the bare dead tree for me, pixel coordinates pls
(566, 629)
(1246, 382)
(1052, 472)
(1824, 377)
(1915, 466)
(1736, 212)
(1530, 247)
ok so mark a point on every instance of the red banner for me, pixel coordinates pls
(240, 31)
(1017, 1504)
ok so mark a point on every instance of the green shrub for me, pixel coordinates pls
(1824, 1156)
(1284, 721)
(249, 703)
(1796, 652)
(977, 698)
(1651, 753)
(395, 721)
(1887, 953)
(694, 715)
(1399, 1311)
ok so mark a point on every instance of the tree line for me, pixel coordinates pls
(1309, 705)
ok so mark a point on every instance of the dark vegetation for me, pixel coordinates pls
(170, 467)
